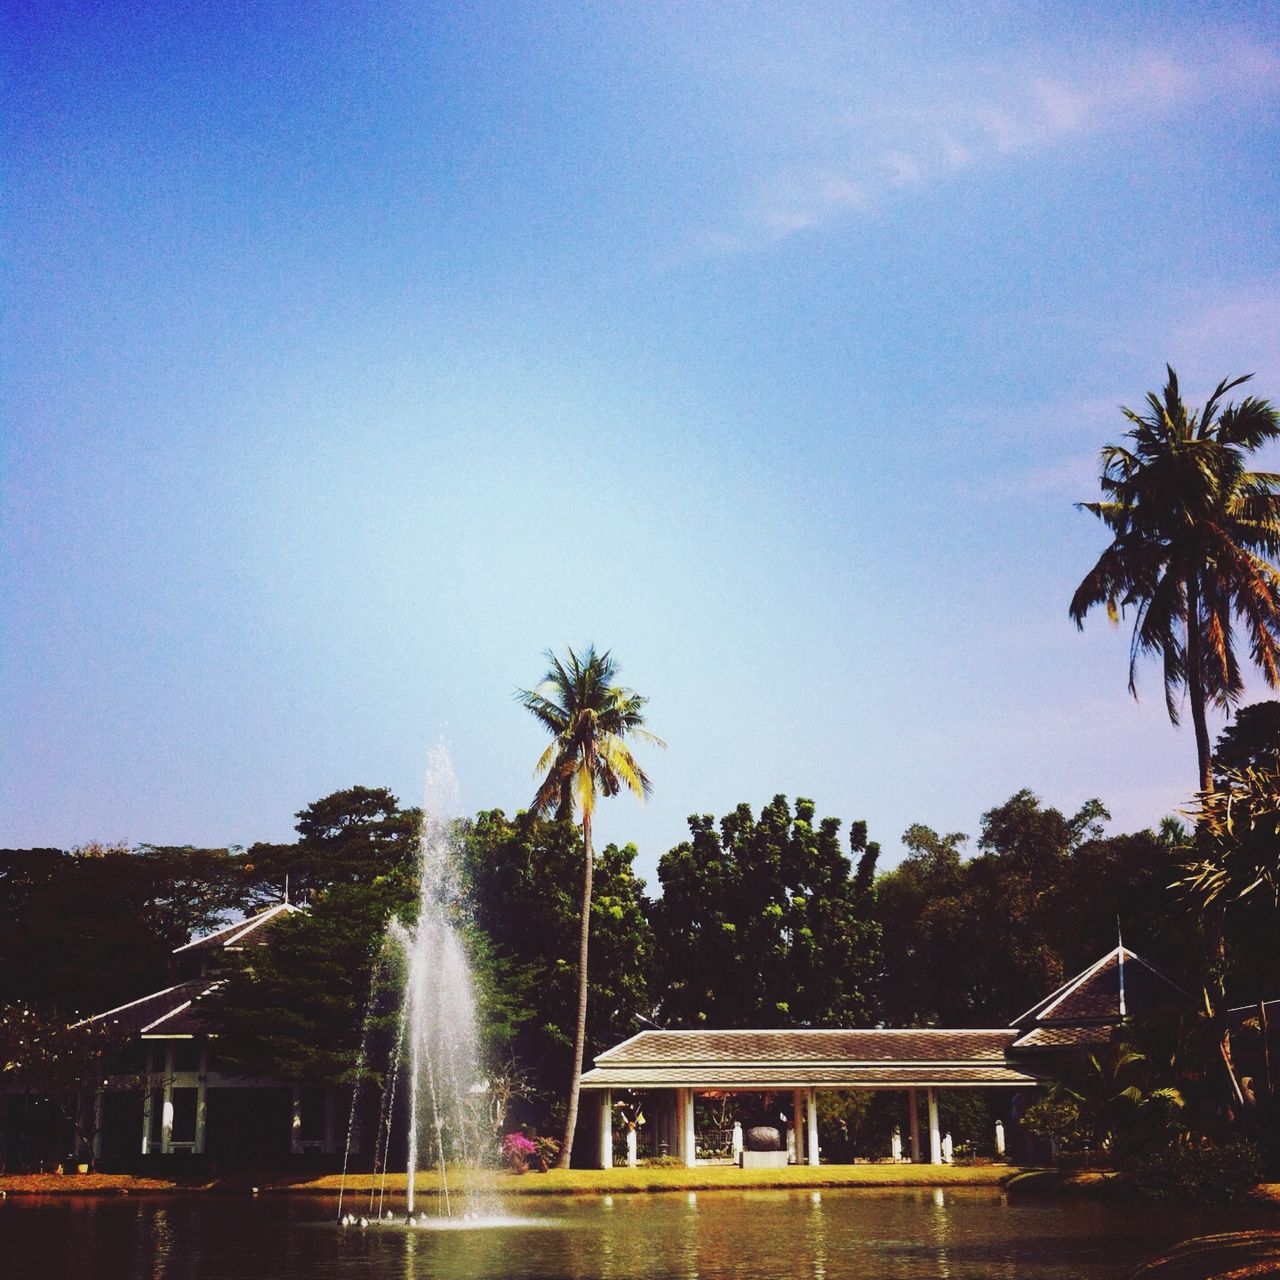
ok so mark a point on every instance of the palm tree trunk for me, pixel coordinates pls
(1195, 684)
(1195, 688)
(580, 1034)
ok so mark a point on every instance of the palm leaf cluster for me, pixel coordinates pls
(1241, 819)
(1194, 535)
(589, 718)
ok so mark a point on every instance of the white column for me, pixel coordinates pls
(689, 1140)
(633, 1154)
(202, 1100)
(295, 1122)
(166, 1103)
(935, 1137)
(1000, 1138)
(915, 1126)
(146, 1108)
(811, 1106)
(606, 1129)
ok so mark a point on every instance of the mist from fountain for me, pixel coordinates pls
(434, 1066)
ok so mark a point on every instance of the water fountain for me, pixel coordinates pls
(434, 1063)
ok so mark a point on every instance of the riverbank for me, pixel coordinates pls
(618, 1181)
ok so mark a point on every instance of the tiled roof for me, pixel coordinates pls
(138, 1016)
(1065, 1037)
(790, 1059)
(710, 1048)
(254, 931)
(834, 1075)
(1121, 984)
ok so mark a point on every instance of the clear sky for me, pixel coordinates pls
(356, 353)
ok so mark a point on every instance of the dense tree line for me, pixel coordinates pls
(768, 920)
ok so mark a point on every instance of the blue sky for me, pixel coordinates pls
(356, 354)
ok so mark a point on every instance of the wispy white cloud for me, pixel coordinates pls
(983, 118)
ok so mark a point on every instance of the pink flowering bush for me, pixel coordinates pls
(517, 1150)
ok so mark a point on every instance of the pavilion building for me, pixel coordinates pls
(672, 1067)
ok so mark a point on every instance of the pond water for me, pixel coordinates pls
(851, 1234)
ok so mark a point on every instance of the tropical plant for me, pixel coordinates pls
(590, 718)
(1194, 535)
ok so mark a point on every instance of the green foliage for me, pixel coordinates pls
(295, 1010)
(975, 942)
(1193, 532)
(522, 874)
(765, 923)
(1192, 1171)
(351, 837)
(1057, 1121)
(90, 929)
(42, 1056)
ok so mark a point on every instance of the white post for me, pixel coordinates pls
(606, 1129)
(146, 1108)
(915, 1126)
(935, 1137)
(295, 1123)
(999, 1137)
(947, 1149)
(633, 1154)
(166, 1105)
(811, 1107)
(895, 1146)
(737, 1142)
(202, 1100)
(690, 1138)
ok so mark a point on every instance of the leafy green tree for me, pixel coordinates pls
(975, 941)
(86, 930)
(350, 837)
(1233, 879)
(1252, 740)
(767, 923)
(590, 719)
(1193, 535)
(295, 1010)
(520, 871)
(44, 1057)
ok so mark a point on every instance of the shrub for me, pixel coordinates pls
(1054, 1121)
(663, 1162)
(1198, 1171)
(517, 1151)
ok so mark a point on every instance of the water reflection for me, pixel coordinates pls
(803, 1235)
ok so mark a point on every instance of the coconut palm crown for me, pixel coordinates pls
(590, 718)
(1194, 534)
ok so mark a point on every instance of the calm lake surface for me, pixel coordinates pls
(851, 1234)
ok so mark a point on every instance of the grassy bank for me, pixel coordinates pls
(556, 1182)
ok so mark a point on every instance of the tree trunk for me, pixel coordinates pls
(580, 1034)
(1195, 684)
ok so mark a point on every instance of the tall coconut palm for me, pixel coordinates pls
(1194, 537)
(590, 718)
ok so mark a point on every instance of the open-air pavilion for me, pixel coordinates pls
(672, 1067)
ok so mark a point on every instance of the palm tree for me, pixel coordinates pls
(590, 719)
(1194, 535)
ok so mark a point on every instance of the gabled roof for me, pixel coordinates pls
(138, 1016)
(792, 1059)
(1080, 1012)
(243, 933)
